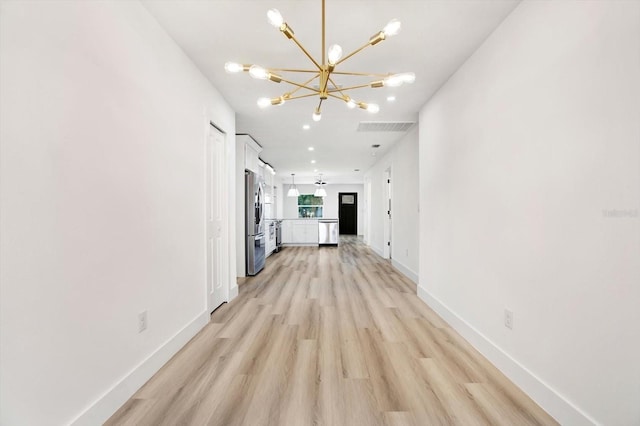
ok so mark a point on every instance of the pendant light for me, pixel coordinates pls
(293, 189)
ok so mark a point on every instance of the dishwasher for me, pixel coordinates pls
(328, 232)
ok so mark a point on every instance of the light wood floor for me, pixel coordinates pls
(328, 336)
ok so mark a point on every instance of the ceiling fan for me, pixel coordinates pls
(320, 191)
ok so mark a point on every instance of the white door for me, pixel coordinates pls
(216, 175)
(388, 223)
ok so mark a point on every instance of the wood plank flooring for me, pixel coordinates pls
(328, 336)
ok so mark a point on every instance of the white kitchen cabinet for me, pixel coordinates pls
(305, 232)
(251, 153)
(300, 231)
(251, 159)
(268, 178)
(311, 232)
(286, 229)
(270, 238)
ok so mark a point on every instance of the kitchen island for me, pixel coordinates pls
(301, 232)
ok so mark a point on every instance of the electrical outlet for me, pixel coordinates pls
(142, 321)
(508, 319)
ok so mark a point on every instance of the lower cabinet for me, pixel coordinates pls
(270, 240)
(300, 232)
(287, 236)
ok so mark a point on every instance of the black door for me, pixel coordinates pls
(348, 212)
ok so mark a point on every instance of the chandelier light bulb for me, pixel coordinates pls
(334, 54)
(408, 77)
(351, 104)
(233, 67)
(264, 102)
(256, 71)
(396, 80)
(392, 28)
(316, 115)
(275, 18)
(373, 108)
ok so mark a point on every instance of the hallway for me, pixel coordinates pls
(329, 336)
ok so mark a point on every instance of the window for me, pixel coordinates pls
(309, 205)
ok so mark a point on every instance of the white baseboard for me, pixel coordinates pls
(405, 271)
(545, 396)
(233, 293)
(377, 251)
(104, 407)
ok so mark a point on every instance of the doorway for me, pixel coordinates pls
(348, 213)
(216, 219)
(388, 222)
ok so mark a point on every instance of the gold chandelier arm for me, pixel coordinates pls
(335, 86)
(342, 98)
(293, 70)
(304, 85)
(363, 74)
(290, 98)
(360, 49)
(295, 40)
(360, 86)
(324, 62)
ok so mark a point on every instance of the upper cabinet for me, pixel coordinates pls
(251, 159)
(251, 154)
(248, 152)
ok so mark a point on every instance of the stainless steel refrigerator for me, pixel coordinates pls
(254, 220)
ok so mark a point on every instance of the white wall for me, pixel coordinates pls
(403, 162)
(102, 205)
(522, 153)
(330, 210)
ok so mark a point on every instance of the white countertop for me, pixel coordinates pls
(306, 218)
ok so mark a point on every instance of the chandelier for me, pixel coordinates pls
(323, 71)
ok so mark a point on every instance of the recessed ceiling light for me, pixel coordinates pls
(391, 98)
(313, 161)
(306, 127)
(311, 148)
(315, 170)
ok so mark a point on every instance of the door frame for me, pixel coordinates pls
(388, 213)
(340, 194)
(222, 195)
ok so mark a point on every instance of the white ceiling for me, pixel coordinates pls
(436, 38)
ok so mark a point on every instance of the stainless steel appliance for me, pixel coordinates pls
(328, 232)
(254, 220)
(278, 235)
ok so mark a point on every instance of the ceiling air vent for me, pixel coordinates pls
(385, 126)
